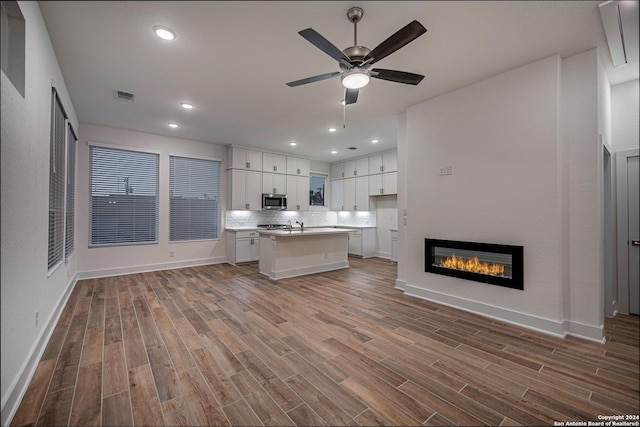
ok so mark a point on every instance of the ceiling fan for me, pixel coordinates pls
(356, 61)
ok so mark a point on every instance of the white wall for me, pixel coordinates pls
(94, 262)
(386, 208)
(624, 116)
(25, 144)
(515, 181)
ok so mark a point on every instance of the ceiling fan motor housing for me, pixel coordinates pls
(356, 54)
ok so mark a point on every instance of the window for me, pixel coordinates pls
(194, 197)
(316, 190)
(12, 43)
(55, 245)
(69, 244)
(123, 209)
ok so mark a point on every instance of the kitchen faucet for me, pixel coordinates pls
(301, 225)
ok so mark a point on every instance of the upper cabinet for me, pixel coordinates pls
(242, 158)
(337, 171)
(358, 167)
(275, 163)
(383, 162)
(297, 166)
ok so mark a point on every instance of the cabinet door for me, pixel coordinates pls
(274, 183)
(254, 190)
(246, 159)
(390, 183)
(375, 164)
(362, 193)
(274, 163)
(247, 250)
(390, 160)
(375, 185)
(238, 184)
(355, 244)
(254, 160)
(349, 203)
(297, 166)
(337, 171)
(337, 195)
(362, 167)
(302, 193)
(350, 169)
(292, 193)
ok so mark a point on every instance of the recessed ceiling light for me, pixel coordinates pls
(293, 144)
(165, 33)
(186, 106)
(172, 125)
(374, 141)
(334, 152)
(332, 129)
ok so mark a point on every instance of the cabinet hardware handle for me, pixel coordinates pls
(382, 168)
(355, 207)
(342, 207)
(275, 168)
(246, 206)
(381, 191)
(342, 173)
(298, 207)
(355, 173)
(274, 190)
(298, 171)
(248, 165)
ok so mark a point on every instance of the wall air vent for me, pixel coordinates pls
(352, 148)
(125, 96)
(620, 23)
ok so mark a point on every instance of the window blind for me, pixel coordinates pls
(55, 246)
(123, 209)
(194, 194)
(69, 245)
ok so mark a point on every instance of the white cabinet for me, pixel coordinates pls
(241, 158)
(337, 171)
(358, 167)
(242, 246)
(297, 193)
(362, 242)
(350, 194)
(297, 166)
(274, 183)
(274, 163)
(383, 162)
(383, 184)
(337, 195)
(245, 189)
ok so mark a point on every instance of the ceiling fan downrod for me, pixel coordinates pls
(355, 15)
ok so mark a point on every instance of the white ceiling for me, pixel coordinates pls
(232, 60)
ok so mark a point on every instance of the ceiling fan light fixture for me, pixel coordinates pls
(355, 79)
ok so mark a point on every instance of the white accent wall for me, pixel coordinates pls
(109, 261)
(523, 148)
(624, 116)
(25, 135)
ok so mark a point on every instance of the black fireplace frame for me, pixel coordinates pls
(516, 281)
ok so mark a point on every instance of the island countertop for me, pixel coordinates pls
(296, 232)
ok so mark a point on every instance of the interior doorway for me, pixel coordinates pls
(610, 290)
(628, 200)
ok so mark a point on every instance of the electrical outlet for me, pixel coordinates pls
(37, 317)
(445, 170)
(171, 254)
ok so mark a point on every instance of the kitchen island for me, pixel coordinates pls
(291, 253)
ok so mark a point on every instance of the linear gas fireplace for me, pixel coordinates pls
(499, 265)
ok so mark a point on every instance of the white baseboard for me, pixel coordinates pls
(19, 387)
(401, 284)
(386, 255)
(548, 326)
(93, 274)
(588, 332)
(294, 272)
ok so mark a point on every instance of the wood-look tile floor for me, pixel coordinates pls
(223, 345)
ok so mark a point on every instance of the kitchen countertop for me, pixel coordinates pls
(296, 232)
(249, 228)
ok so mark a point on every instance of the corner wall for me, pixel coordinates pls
(516, 180)
(25, 135)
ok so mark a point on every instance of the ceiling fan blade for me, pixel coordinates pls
(402, 37)
(396, 76)
(313, 79)
(325, 45)
(351, 96)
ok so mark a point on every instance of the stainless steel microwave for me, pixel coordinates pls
(274, 201)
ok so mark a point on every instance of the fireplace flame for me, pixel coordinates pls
(473, 265)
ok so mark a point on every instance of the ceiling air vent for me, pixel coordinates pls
(125, 96)
(352, 148)
(620, 23)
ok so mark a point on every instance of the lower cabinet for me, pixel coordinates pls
(362, 242)
(242, 246)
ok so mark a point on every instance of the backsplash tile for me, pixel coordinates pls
(310, 218)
